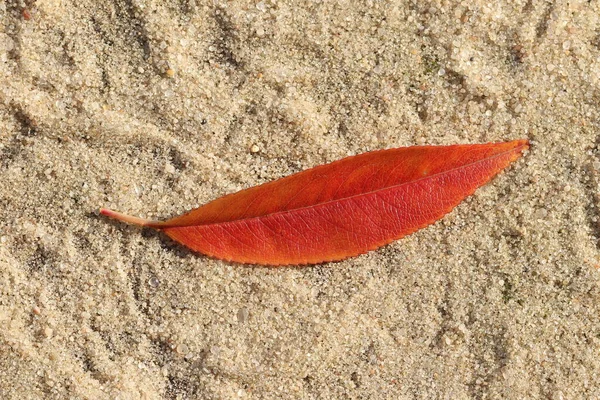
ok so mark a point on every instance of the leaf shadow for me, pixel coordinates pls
(183, 252)
(169, 244)
(165, 242)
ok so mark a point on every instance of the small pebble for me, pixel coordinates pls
(36, 310)
(254, 149)
(541, 214)
(242, 315)
(170, 73)
(153, 282)
(182, 348)
(169, 168)
(48, 332)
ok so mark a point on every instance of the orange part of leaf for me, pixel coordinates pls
(338, 210)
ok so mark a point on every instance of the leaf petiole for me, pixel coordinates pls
(131, 220)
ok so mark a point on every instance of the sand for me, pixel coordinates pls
(153, 110)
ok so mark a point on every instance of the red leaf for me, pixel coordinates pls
(338, 210)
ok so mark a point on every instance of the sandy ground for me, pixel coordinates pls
(153, 110)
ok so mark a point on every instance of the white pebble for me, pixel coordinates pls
(169, 168)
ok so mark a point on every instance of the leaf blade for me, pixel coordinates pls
(342, 209)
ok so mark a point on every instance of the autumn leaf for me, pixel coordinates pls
(338, 210)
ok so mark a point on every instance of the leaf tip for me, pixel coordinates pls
(517, 147)
(521, 144)
(525, 143)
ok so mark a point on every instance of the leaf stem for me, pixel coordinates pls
(129, 219)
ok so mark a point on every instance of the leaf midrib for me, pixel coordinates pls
(325, 203)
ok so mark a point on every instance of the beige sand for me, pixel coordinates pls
(152, 110)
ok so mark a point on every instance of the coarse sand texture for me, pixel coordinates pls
(154, 108)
